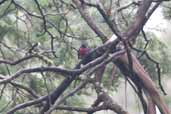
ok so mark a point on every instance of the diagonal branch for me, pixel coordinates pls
(89, 20)
(138, 22)
(61, 88)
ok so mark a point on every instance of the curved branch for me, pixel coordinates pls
(29, 103)
(20, 60)
(39, 69)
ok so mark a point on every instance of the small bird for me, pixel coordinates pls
(83, 50)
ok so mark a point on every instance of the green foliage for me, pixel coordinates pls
(157, 50)
(111, 83)
(19, 31)
(75, 100)
(167, 10)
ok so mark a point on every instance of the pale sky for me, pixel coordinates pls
(157, 23)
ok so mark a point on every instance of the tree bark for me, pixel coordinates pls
(147, 84)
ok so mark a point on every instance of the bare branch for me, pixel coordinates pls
(79, 109)
(138, 22)
(127, 5)
(89, 21)
(27, 104)
(21, 60)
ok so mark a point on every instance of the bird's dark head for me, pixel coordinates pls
(84, 44)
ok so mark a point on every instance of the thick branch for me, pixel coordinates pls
(61, 71)
(79, 109)
(147, 83)
(89, 20)
(138, 22)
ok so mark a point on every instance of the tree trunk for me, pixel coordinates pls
(147, 84)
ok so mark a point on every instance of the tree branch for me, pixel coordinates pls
(89, 20)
